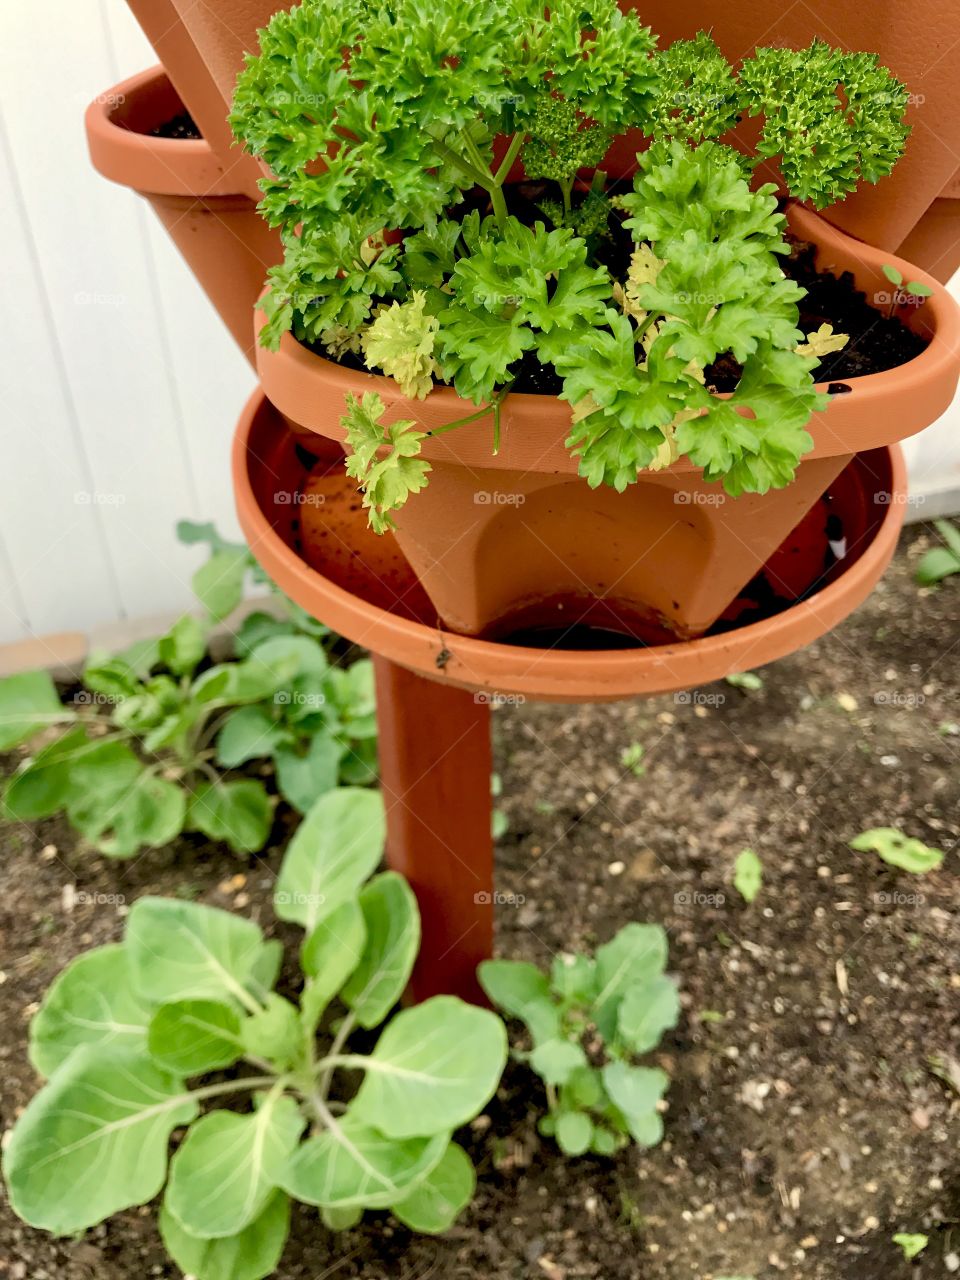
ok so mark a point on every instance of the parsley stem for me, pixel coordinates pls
(516, 142)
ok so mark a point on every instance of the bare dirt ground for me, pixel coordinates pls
(816, 1091)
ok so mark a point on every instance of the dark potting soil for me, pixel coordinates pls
(181, 126)
(877, 339)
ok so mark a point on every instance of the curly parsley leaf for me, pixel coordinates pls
(383, 458)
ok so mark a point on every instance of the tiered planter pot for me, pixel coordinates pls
(302, 519)
(196, 196)
(519, 541)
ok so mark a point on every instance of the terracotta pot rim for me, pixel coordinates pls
(186, 167)
(550, 674)
(881, 409)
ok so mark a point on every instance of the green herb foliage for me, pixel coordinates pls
(588, 1020)
(128, 1033)
(390, 132)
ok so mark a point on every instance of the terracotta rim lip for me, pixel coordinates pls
(564, 675)
(299, 383)
(153, 166)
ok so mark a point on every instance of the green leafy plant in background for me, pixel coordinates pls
(379, 128)
(588, 1020)
(150, 745)
(898, 850)
(129, 1034)
(941, 562)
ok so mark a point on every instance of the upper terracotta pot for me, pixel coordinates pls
(916, 40)
(197, 195)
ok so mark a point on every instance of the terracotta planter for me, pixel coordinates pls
(519, 540)
(917, 41)
(360, 585)
(201, 47)
(213, 223)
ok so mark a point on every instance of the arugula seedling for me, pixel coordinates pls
(588, 1020)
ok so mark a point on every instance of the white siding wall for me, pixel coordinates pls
(120, 388)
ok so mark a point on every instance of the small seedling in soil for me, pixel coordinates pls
(898, 850)
(188, 995)
(914, 292)
(748, 680)
(941, 562)
(912, 1245)
(588, 1020)
(747, 875)
(632, 758)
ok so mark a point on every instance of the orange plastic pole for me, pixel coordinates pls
(435, 765)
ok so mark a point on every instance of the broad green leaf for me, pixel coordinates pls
(253, 1254)
(302, 654)
(898, 850)
(194, 1036)
(636, 1091)
(523, 992)
(94, 1140)
(393, 940)
(747, 875)
(574, 1132)
(636, 954)
(183, 646)
(247, 734)
(266, 968)
(218, 584)
(91, 1002)
(435, 1203)
(434, 1067)
(584, 1088)
(28, 702)
(274, 1033)
(303, 777)
(41, 786)
(950, 534)
(223, 1173)
(328, 957)
(119, 804)
(646, 1012)
(556, 1060)
(937, 564)
(574, 979)
(352, 1165)
(603, 1143)
(333, 851)
(185, 951)
(237, 811)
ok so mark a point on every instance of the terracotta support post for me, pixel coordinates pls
(435, 764)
